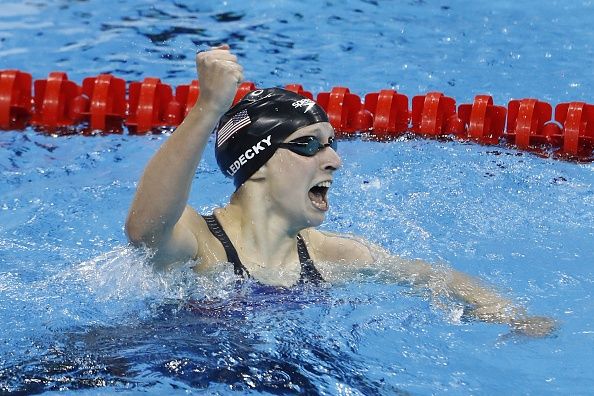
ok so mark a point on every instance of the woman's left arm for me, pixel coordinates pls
(340, 258)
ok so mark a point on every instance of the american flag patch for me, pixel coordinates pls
(237, 122)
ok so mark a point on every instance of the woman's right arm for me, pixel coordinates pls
(159, 217)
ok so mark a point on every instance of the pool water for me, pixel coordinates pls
(81, 311)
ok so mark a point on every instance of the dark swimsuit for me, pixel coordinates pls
(309, 273)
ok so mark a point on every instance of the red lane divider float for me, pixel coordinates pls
(104, 99)
(187, 96)
(483, 121)
(526, 119)
(57, 105)
(390, 112)
(148, 105)
(578, 121)
(298, 89)
(243, 89)
(15, 99)
(434, 114)
(345, 111)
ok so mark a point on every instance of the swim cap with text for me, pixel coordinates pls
(249, 132)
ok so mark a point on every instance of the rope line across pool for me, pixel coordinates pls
(104, 103)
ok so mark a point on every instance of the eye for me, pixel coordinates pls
(332, 143)
(304, 139)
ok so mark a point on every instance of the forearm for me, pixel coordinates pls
(443, 281)
(346, 258)
(487, 304)
(164, 187)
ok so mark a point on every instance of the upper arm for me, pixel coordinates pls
(181, 243)
(328, 246)
(339, 257)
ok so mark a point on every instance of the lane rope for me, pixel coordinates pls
(105, 103)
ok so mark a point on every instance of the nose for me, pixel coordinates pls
(329, 159)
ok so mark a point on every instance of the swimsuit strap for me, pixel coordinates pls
(217, 230)
(309, 273)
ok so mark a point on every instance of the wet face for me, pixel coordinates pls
(298, 185)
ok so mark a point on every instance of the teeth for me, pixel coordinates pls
(326, 184)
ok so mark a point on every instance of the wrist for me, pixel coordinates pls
(206, 106)
(498, 312)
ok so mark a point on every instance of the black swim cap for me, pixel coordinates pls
(249, 133)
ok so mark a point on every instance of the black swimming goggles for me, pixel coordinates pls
(308, 145)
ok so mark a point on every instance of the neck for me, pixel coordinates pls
(264, 239)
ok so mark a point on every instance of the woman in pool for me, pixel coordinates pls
(280, 150)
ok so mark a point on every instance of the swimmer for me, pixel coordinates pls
(281, 152)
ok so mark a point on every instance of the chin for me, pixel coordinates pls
(315, 220)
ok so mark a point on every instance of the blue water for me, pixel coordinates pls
(81, 311)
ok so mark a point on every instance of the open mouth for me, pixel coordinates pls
(318, 195)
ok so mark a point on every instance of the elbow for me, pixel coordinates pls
(138, 234)
(142, 232)
(134, 232)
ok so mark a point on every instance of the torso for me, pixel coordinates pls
(325, 249)
(308, 271)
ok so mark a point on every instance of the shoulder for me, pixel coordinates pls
(191, 239)
(333, 247)
(194, 222)
(340, 257)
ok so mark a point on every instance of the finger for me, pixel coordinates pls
(215, 56)
(238, 74)
(201, 48)
(226, 56)
(222, 46)
(232, 65)
(207, 48)
(226, 66)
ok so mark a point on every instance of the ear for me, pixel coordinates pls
(261, 173)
